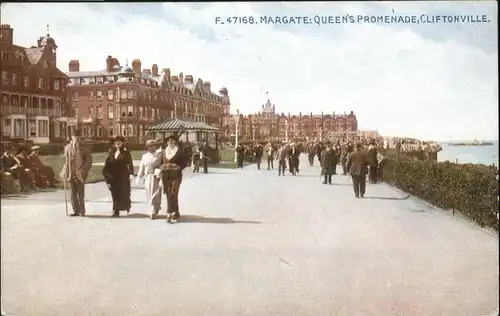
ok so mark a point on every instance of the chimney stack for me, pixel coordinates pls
(109, 64)
(154, 70)
(189, 79)
(136, 66)
(181, 77)
(207, 86)
(167, 72)
(74, 66)
(7, 38)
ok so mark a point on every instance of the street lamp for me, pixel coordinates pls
(253, 130)
(286, 130)
(236, 123)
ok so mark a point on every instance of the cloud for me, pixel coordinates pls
(433, 81)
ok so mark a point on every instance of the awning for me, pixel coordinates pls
(176, 125)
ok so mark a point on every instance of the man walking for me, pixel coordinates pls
(270, 156)
(328, 164)
(204, 155)
(259, 152)
(77, 163)
(357, 168)
(281, 157)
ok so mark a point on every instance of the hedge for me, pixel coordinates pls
(469, 189)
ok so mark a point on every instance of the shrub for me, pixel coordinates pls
(470, 189)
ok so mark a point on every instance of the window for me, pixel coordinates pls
(123, 111)
(110, 131)
(130, 94)
(41, 83)
(110, 79)
(130, 110)
(111, 112)
(99, 95)
(19, 127)
(57, 107)
(100, 113)
(130, 131)
(91, 80)
(43, 128)
(75, 96)
(91, 95)
(26, 81)
(99, 131)
(6, 127)
(57, 86)
(100, 80)
(15, 79)
(32, 128)
(111, 95)
(123, 95)
(46, 64)
(5, 77)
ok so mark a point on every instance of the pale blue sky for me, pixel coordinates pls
(431, 81)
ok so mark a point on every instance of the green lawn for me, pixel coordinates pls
(95, 174)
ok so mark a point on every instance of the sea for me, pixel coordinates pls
(486, 155)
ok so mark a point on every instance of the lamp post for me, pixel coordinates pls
(236, 123)
(253, 131)
(286, 130)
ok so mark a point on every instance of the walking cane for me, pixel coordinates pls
(65, 197)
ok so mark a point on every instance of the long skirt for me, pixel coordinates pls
(120, 193)
(171, 189)
(153, 192)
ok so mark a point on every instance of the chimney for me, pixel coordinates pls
(167, 72)
(207, 86)
(181, 77)
(154, 70)
(74, 65)
(146, 71)
(115, 62)
(7, 38)
(189, 79)
(109, 64)
(136, 66)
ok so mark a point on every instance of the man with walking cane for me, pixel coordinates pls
(77, 164)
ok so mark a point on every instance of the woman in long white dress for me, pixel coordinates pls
(150, 162)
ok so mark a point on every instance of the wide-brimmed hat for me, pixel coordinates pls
(120, 138)
(172, 137)
(151, 142)
(36, 147)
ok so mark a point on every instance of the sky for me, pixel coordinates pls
(427, 81)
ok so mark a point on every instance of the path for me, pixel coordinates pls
(250, 243)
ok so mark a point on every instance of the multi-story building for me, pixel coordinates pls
(33, 90)
(267, 124)
(123, 101)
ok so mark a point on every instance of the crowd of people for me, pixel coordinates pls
(22, 170)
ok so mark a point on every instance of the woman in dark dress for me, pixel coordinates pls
(118, 170)
(174, 160)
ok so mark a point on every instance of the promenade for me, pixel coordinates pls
(249, 243)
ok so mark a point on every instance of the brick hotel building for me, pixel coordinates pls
(267, 125)
(33, 90)
(123, 100)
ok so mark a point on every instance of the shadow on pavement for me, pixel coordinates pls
(388, 198)
(183, 219)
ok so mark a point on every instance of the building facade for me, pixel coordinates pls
(123, 100)
(269, 125)
(33, 91)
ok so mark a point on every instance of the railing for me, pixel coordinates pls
(8, 110)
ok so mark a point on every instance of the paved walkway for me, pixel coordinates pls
(250, 243)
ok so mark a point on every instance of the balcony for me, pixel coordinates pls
(127, 117)
(9, 110)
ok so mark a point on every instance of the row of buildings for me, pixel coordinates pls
(43, 104)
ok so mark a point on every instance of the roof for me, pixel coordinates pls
(180, 125)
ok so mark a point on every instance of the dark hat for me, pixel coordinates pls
(172, 137)
(117, 137)
(359, 146)
(77, 132)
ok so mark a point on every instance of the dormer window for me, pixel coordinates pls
(91, 80)
(100, 80)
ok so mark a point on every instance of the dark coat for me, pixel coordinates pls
(357, 163)
(118, 170)
(328, 162)
(259, 152)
